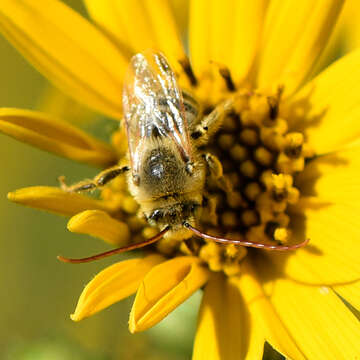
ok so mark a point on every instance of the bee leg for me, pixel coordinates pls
(211, 123)
(99, 180)
(216, 171)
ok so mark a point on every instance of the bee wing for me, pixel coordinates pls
(153, 105)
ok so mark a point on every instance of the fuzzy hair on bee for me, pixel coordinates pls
(167, 169)
(168, 173)
(167, 191)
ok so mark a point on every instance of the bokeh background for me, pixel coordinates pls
(38, 292)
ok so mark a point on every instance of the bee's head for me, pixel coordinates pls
(178, 223)
(175, 215)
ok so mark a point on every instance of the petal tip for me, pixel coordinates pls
(11, 195)
(75, 317)
(72, 224)
(133, 328)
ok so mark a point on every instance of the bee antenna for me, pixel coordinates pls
(245, 243)
(116, 251)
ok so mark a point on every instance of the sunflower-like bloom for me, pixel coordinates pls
(289, 151)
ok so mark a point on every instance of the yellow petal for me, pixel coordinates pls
(212, 27)
(165, 30)
(350, 292)
(56, 103)
(58, 137)
(106, 13)
(319, 322)
(221, 30)
(68, 50)
(164, 288)
(238, 318)
(295, 34)
(350, 26)
(142, 34)
(55, 200)
(345, 37)
(334, 177)
(199, 34)
(332, 101)
(142, 24)
(329, 217)
(234, 32)
(113, 284)
(332, 255)
(227, 33)
(249, 18)
(100, 224)
(264, 322)
(180, 9)
(222, 322)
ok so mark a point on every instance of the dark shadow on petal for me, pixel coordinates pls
(230, 314)
(271, 354)
(354, 311)
(299, 113)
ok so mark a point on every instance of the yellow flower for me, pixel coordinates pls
(344, 38)
(290, 153)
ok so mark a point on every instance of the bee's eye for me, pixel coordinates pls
(156, 215)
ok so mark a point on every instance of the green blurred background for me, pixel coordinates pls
(38, 292)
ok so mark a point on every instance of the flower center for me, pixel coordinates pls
(259, 157)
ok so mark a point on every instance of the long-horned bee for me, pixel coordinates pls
(168, 169)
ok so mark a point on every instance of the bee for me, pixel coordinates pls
(168, 169)
(167, 172)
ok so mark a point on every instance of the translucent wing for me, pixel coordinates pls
(153, 106)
